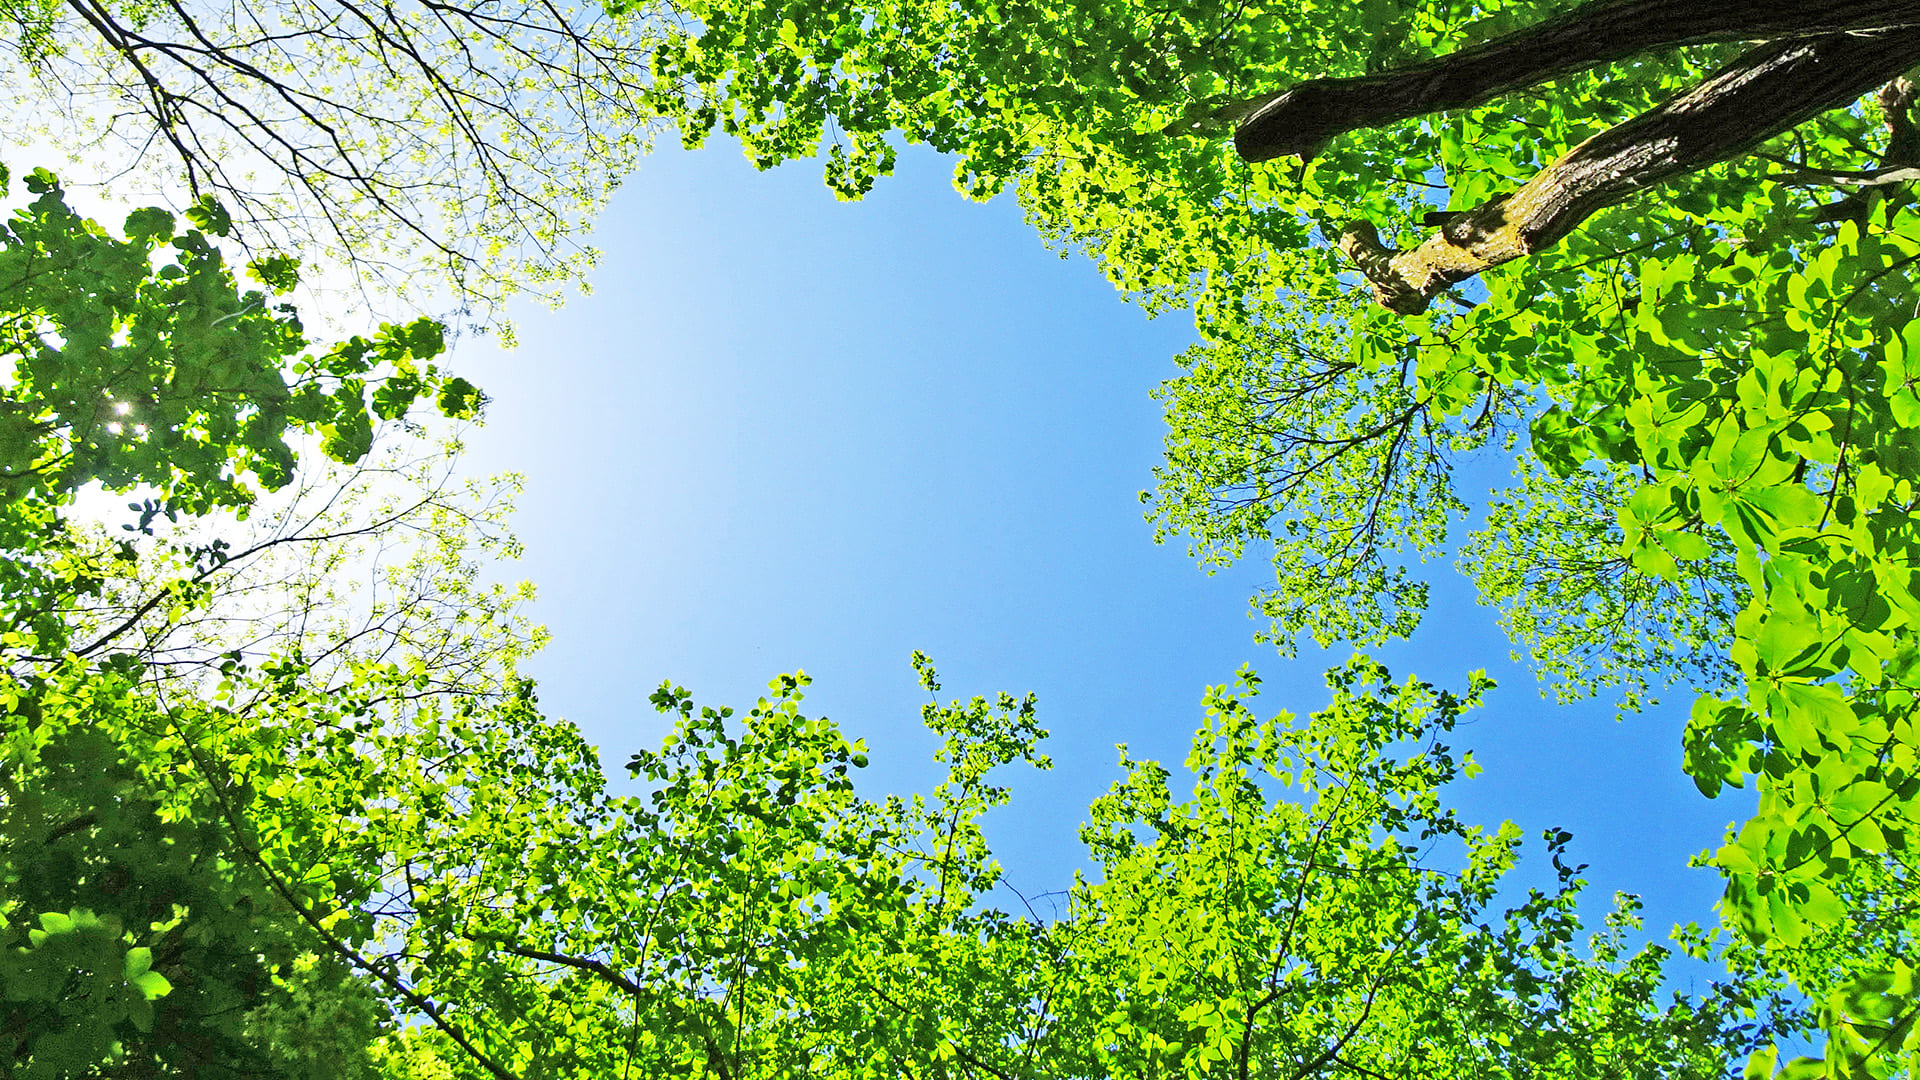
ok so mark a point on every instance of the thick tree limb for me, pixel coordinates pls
(1301, 120)
(1770, 89)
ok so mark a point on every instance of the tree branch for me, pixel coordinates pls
(1897, 161)
(432, 1011)
(1768, 90)
(1846, 178)
(1301, 120)
(583, 963)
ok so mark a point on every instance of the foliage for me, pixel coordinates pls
(171, 377)
(1711, 390)
(167, 378)
(1855, 978)
(136, 934)
(1712, 396)
(751, 914)
(259, 821)
(130, 940)
(250, 722)
(1579, 604)
(1307, 935)
(1248, 428)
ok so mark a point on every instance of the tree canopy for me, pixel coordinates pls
(333, 834)
(1659, 253)
(449, 153)
(1707, 390)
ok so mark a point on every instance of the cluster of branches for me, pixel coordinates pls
(471, 141)
(1816, 57)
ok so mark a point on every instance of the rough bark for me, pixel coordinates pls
(1768, 90)
(1301, 120)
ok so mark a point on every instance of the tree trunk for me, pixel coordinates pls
(1301, 120)
(1769, 90)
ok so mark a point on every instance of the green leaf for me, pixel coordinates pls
(208, 215)
(1806, 716)
(151, 985)
(460, 399)
(278, 273)
(1803, 1068)
(149, 225)
(140, 1013)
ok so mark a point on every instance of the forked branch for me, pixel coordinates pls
(1768, 90)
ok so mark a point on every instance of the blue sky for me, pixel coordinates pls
(790, 433)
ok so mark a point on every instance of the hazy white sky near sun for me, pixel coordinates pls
(788, 433)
